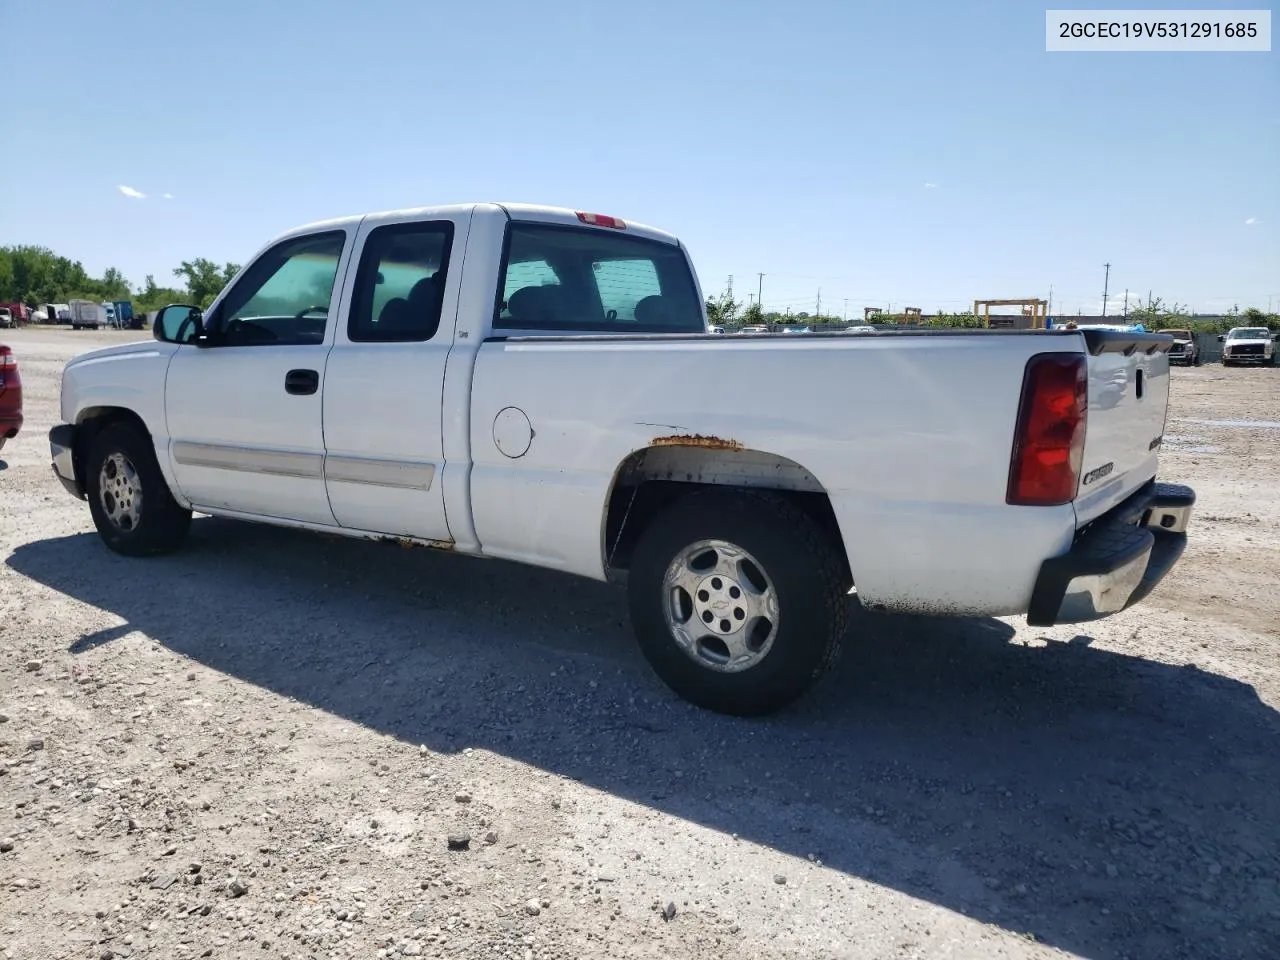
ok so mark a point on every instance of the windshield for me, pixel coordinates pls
(1180, 334)
(1249, 333)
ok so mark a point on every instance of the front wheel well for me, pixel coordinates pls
(92, 421)
(633, 506)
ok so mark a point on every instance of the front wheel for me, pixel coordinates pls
(132, 507)
(739, 600)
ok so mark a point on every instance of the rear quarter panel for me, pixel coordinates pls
(909, 435)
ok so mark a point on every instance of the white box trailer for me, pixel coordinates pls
(86, 315)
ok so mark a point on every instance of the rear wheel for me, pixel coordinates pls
(130, 502)
(738, 600)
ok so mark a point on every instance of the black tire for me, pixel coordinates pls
(162, 523)
(808, 580)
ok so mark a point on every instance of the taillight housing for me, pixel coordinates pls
(600, 220)
(7, 360)
(1048, 444)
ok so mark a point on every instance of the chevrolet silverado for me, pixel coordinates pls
(539, 385)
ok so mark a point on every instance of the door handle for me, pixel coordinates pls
(301, 382)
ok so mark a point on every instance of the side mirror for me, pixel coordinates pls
(178, 323)
(1221, 338)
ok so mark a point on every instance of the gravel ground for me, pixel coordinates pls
(261, 746)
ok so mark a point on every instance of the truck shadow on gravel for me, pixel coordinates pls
(1108, 805)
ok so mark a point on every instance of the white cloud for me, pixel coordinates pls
(1251, 221)
(930, 186)
(168, 196)
(131, 193)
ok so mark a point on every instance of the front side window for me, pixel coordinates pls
(283, 298)
(399, 288)
(574, 279)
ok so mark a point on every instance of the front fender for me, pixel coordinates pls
(122, 382)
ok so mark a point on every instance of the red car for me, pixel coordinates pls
(10, 396)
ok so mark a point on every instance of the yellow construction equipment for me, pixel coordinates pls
(1033, 317)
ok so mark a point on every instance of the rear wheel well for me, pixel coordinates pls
(633, 506)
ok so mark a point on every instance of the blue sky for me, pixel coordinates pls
(910, 153)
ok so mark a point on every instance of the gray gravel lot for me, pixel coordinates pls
(261, 745)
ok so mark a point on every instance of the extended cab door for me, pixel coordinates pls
(244, 411)
(382, 395)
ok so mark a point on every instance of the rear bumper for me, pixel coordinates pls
(62, 440)
(1117, 560)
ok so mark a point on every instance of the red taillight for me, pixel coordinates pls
(7, 360)
(1049, 443)
(600, 220)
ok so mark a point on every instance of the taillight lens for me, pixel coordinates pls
(600, 220)
(7, 360)
(1048, 446)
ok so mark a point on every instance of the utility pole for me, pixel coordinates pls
(760, 290)
(731, 286)
(1106, 285)
(846, 309)
(818, 312)
(751, 298)
(1126, 303)
(1050, 307)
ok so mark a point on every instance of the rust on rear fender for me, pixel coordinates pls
(695, 440)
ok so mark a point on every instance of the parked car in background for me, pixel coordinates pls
(716, 328)
(10, 396)
(796, 330)
(754, 329)
(18, 314)
(1184, 349)
(353, 379)
(1247, 345)
(860, 329)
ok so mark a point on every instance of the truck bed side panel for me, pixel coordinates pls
(910, 437)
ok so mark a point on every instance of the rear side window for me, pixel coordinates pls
(399, 289)
(571, 279)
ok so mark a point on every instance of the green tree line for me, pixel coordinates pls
(34, 275)
(1158, 315)
(723, 310)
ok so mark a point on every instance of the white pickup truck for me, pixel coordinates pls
(538, 385)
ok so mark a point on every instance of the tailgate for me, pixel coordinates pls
(1128, 400)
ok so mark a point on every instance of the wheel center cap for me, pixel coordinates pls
(721, 604)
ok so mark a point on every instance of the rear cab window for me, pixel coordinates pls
(568, 279)
(399, 289)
